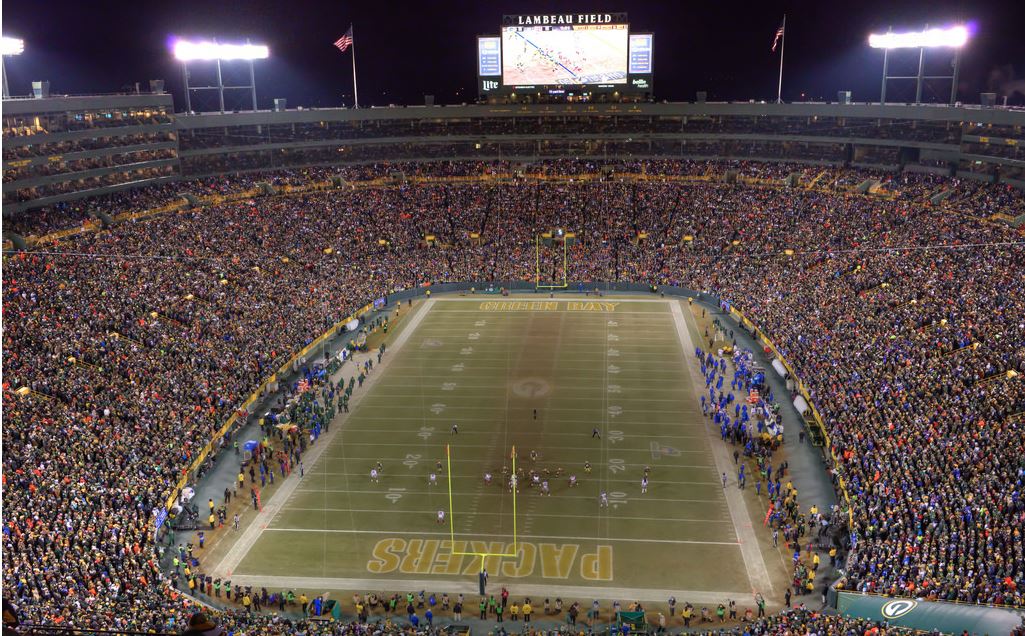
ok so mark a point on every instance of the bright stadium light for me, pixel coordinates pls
(953, 37)
(186, 51)
(9, 47)
(12, 46)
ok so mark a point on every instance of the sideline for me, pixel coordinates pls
(754, 561)
(272, 506)
(469, 588)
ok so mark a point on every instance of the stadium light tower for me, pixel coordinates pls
(186, 51)
(9, 46)
(951, 37)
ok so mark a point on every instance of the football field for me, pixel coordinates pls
(600, 389)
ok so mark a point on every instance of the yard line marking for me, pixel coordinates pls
(229, 562)
(572, 448)
(461, 433)
(564, 495)
(531, 296)
(558, 311)
(469, 588)
(495, 494)
(509, 536)
(754, 561)
(621, 421)
(429, 513)
(556, 409)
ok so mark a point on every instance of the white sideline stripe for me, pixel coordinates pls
(256, 527)
(431, 513)
(508, 536)
(469, 588)
(754, 561)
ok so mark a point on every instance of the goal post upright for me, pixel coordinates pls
(451, 516)
(516, 547)
(537, 263)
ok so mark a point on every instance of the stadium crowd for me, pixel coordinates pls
(124, 355)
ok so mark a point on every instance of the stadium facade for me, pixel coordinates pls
(63, 149)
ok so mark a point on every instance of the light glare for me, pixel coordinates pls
(187, 51)
(955, 37)
(12, 46)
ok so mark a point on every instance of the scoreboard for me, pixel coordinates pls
(571, 55)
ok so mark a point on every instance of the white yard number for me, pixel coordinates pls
(615, 436)
(480, 323)
(458, 367)
(466, 351)
(437, 408)
(613, 323)
(613, 353)
(411, 461)
(474, 336)
(425, 432)
(617, 465)
(615, 411)
(448, 386)
(617, 497)
(394, 494)
(614, 388)
(613, 337)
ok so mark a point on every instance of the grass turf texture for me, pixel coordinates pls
(486, 365)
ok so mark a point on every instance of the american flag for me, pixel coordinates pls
(344, 42)
(779, 34)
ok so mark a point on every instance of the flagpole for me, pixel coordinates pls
(355, 91)
(782, 46)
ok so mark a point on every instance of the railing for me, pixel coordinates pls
(69, 630)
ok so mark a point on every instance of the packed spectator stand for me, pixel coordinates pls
(906, 320)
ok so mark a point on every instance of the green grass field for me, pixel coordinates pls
(486, 365)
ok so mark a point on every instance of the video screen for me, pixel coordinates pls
(578, 54)
(489, 56)
(640, 53)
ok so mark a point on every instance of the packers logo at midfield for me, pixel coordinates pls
(441, 556)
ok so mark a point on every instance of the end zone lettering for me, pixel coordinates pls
(442, 556)
(546, 305)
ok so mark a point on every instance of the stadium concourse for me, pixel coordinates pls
(125, 349)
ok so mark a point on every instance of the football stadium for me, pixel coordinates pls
(569, 359)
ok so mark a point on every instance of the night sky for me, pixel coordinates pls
(405, 50)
